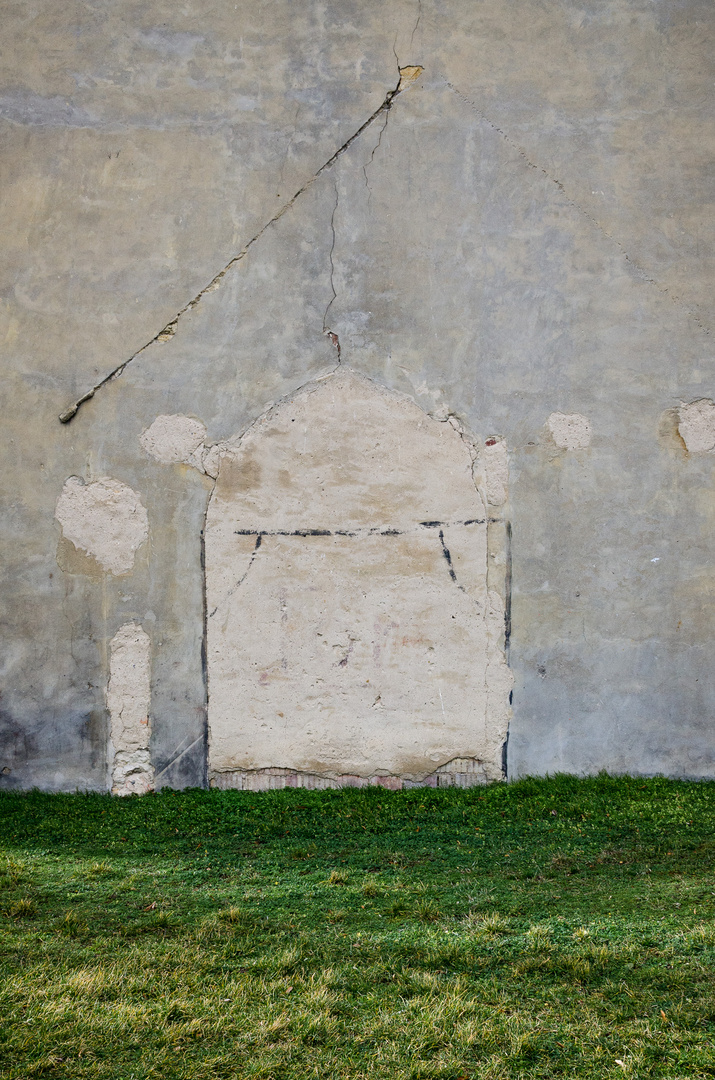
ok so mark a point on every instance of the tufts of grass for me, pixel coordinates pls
(99, 869)
(538, 936)
(72, 924)
(372, 890)
(427, 912)
(12, 871)
(492, 923)
(24, 908)
(239, 918)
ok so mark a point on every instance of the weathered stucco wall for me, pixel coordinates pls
(498, 216)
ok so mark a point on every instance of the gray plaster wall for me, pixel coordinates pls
(524, 229)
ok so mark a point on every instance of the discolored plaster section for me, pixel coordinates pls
(496, 467)
(105, 519)
(351, 630)
(128, 702)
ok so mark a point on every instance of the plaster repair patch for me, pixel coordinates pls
(697, 425)
(174, 440)
(106, 519)
(570, 431)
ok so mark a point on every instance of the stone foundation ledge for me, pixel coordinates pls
(460, 772)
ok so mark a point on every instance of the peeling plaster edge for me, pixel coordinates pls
(168, 331)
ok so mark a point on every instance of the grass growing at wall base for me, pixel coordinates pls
(543, 929)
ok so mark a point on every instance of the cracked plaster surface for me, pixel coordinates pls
(406, 76)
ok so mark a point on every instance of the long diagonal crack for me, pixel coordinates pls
(640, 271)
(407, 77)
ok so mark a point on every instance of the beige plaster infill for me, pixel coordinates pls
(351, 632)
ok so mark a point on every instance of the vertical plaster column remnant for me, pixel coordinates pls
(128, 697)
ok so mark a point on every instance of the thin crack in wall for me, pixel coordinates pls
(371, 159)
(640, 270)
(326, 329)
(244, 575)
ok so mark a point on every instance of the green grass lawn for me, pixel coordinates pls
(547, 928)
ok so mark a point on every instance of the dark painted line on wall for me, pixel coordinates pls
(358, 532)
(448, 557)
(507, 593)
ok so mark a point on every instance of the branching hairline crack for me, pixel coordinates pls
(641, 271)
(419, 17)
(406, 77)
(375, 148)
(326, 329)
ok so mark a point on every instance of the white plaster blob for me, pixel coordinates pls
(106, 519)
(696, 424)
(570, 431)
(496, 468)
(175, 440)
(128, 698)
(350, 630)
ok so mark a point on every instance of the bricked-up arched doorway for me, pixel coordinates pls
(351, 634)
